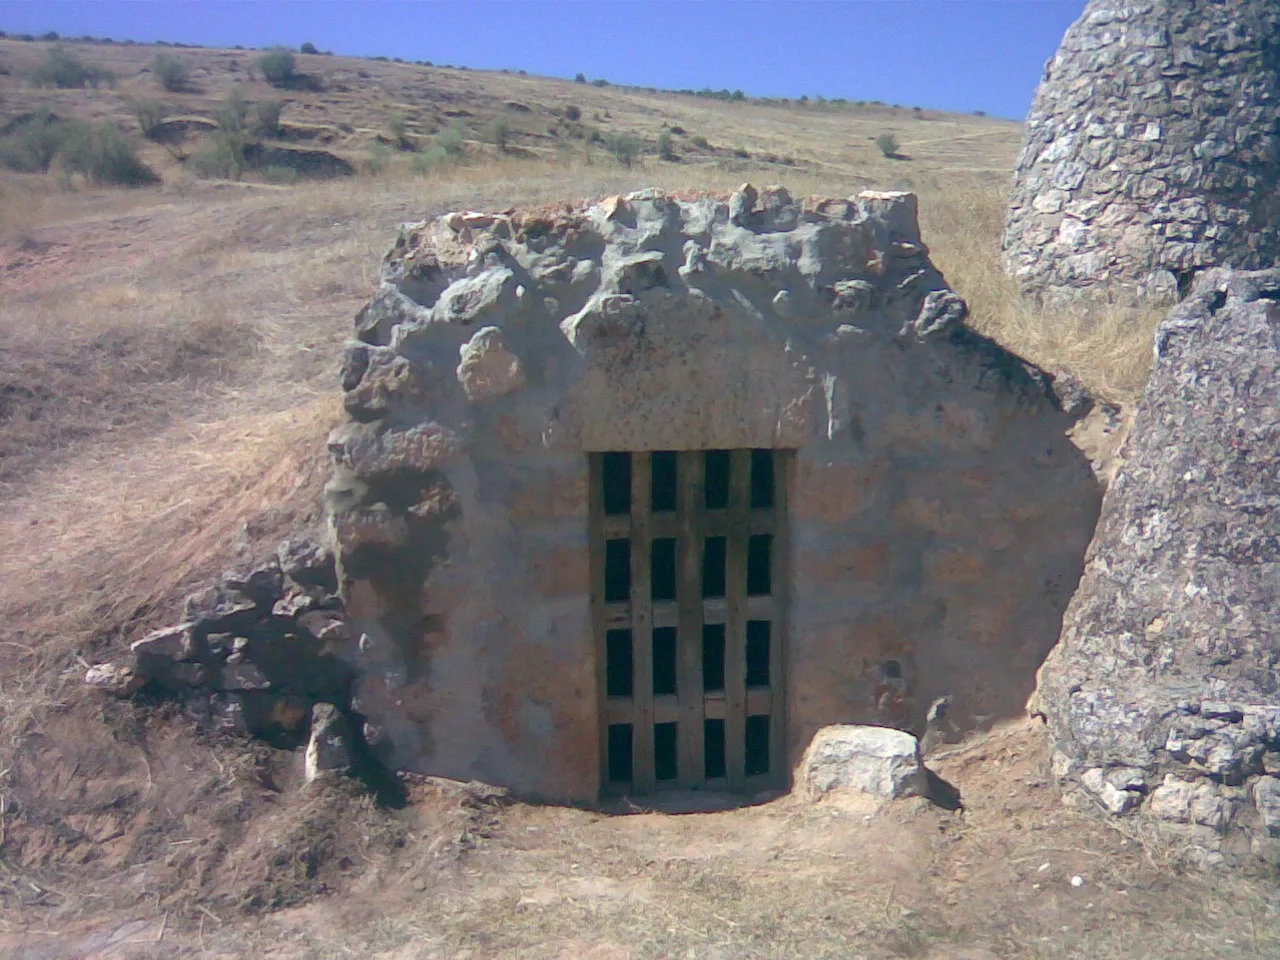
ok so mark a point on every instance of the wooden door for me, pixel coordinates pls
(688, 555)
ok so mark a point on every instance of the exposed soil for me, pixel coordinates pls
(166, 384)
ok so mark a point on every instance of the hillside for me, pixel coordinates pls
(167, 380)
(346, 106)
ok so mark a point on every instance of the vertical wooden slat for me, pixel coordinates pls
(595, 546)
(735, 631)
(689, 508)
(642, 771)
(780, 578)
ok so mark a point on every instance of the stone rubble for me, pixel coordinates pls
(1149, 153)
(255, 655)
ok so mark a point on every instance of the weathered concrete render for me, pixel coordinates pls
(938, 513)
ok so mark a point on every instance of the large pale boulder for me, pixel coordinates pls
(1168, 659)
(849, 761)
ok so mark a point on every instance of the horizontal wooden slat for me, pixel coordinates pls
(666, 614)
(666, 709)
(759, 701)
(714, 705)
(664, 525)
(716, 609)
(617, 616)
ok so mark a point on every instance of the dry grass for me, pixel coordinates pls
(166, 362)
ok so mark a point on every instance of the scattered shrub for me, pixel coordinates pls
(277, 173)
(573, 113)
(430, 159)
(888, 144)
(741, 153)
(234, 113)
(65, 70)
(150, 115)
(979, 113)
(170, 72)
(678, 130)
(665, 149)
(264, 118)
(379, 158)
(600, 82)
(496, 132)
(701, 142)
(580, 78)
(398, 127)
(221, 157)
(278, 66)
(452, 141)
(32, 147)
(308, 47)
(624, 147)
(104, 155)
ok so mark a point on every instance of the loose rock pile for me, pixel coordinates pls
(1163, 693)
(255, 656)
(1150, 150)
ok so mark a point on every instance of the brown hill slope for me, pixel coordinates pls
(347, 105)
(166, 382)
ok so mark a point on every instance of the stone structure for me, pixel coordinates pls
(1151, 151)
(254, 656)
(937, 513)
(1165, 686)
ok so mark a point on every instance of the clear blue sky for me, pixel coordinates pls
(948, 54)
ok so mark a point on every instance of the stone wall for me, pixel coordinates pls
(1164, 693)
(1151, 150)
(939, 514)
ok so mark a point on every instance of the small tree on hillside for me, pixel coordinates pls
(308, 47)
(624, 147)
(398, 127)
(888, 144)
(278, 66)
(497, 132)
(264, 119)
(170, 72)
(665, 149)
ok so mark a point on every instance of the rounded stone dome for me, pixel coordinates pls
(1151, 151)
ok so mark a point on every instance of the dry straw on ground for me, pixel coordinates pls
(167, 359)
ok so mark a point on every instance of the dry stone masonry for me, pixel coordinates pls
(1164, 692)
(1151, 151)
(254, 656)
(937, 515)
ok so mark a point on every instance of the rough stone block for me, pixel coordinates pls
(1266, 797)
(117, 679)
(329, 747)
(861, 761)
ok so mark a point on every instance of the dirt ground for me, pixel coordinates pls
(260, 866)
(167, 380)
